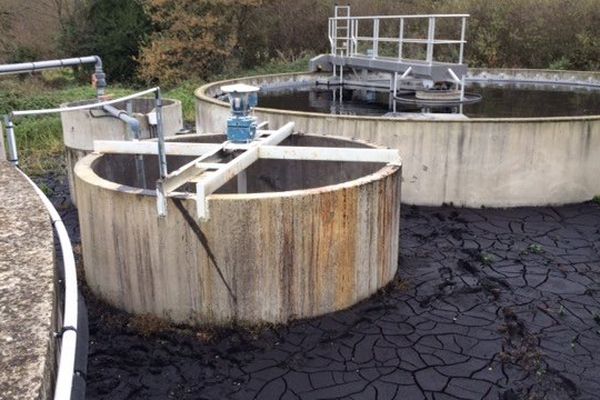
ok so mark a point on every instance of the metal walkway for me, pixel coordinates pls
(390, 44)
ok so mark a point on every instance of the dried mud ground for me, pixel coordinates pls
(488, 303)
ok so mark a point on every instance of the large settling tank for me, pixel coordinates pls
(533, 139)
(306, 238)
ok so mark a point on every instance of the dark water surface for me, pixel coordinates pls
(499, 101)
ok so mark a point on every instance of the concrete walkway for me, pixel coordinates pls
(26, 290)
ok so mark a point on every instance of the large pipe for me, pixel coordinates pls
(29, 67)
(134, 125)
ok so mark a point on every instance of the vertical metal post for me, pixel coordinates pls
(401, 39)
(334, 35)
(375, 37)
(342, 69)
(355, 40)
(11, 142)
(162, 157)
(462, 88)
(430, 39)
(139, 159)
(395, 90)
(462, 40)
(242, 182)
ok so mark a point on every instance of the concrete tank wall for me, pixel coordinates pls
(81, 128)
(476, 162)
(325, 240)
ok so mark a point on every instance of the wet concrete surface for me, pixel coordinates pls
(494, 304)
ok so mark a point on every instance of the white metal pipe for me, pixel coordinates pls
(84, 106)
(375, 38)
(387, 156)
(430, 39)
(66, 363)
(162, 157)
(29, 67)
(454, 76)
(66, 366)
(401, 39)
(406, 16)
(462, 40)
(150, 148)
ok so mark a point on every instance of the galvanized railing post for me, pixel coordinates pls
(375, 37)
(430, 39)
(162, 156)
(462, 39)
(401, 39)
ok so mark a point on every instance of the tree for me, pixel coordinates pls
(112, 29)
(191, 38)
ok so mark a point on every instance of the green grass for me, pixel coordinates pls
(596, 199)
(39, 139)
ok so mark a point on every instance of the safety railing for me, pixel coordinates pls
(344, 37)
(68, 330)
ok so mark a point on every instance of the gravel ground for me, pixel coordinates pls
(488, 303)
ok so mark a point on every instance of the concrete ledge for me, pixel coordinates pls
(493, 162)
(27, 292)
(2, 150)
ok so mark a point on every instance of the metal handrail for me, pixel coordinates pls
(68, 332)
(407, 16)
(350, 38)
(66, 366)
(10, 133)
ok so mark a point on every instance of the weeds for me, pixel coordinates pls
(486, 259)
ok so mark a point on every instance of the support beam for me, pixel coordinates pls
(342, 154)
(148, 147)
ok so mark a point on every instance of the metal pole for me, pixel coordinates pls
(401, 41)
(139, 159)
(13, 155)
(375, 38)
(430, 39)
(462, 39)
(162, 157)
(395, 90)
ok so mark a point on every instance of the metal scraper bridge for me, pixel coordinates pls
(387, 44)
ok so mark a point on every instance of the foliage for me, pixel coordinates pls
(112, 29)
(39, 139)
(185, 91)
(191, 38)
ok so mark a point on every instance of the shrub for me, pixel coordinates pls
(112, 29)
(191, 38)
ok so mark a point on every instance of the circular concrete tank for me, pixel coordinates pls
(309, 237)
(493, 162)
(81, 128)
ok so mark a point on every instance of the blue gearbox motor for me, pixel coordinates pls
(241, 126)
